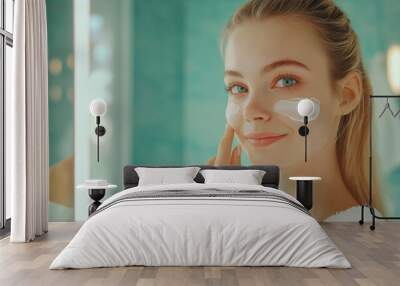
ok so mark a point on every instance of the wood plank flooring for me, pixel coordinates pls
(375, 257)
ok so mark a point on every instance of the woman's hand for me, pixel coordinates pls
(225, 155)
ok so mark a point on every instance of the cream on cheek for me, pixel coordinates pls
(233, 114)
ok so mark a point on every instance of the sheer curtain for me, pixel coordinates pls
(27, 164)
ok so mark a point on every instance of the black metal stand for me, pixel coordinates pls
(369, 205)
(304, 193)
(98, 137)
(304, 131)
(96, 195)
(100, 131)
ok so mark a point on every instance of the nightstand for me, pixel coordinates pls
(304, 190)
(96, 193)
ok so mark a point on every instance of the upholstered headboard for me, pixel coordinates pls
(270, 179)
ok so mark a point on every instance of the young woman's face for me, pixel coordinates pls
(266, 61)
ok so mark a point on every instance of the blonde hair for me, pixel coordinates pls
(343, 48)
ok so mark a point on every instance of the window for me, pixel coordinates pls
(6, 44)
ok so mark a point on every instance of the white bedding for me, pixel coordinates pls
(200, 231)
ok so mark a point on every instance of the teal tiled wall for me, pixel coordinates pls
(61, 84)
(158, 72)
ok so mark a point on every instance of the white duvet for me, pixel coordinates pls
(200, 231)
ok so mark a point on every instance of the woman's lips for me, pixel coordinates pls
(264, 139)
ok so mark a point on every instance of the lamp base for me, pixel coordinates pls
(303, 131)
(100, 130)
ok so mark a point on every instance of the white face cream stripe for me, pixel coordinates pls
(231, 114)
(289, 109)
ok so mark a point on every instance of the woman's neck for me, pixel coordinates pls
(331, 194)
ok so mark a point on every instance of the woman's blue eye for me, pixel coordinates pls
(286, 82)
(238, 89)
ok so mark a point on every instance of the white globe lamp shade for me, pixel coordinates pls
(305, 107)
(98, 107)
(393, 68)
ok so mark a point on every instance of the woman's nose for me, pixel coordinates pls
(255, 109)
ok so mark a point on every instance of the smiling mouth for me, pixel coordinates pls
(264, 139)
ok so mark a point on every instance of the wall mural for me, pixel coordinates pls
(180, 92)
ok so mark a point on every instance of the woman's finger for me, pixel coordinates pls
(236, 153)
(225, 147)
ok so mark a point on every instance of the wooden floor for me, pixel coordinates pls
(375, 257)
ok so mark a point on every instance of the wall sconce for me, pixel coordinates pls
(393, 68)
(305, 108)
(98, 108)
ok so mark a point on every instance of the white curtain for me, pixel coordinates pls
(27, 164)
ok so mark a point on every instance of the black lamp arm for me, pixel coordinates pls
(100, 131)
(303, 131)
(305, 120)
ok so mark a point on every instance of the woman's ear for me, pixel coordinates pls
(350, 92)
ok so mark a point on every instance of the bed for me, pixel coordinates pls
(198, 224)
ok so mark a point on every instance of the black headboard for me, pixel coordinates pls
(270, 179)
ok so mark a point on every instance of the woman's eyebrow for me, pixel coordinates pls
(285, 62)
(233, 73)
(270, 67)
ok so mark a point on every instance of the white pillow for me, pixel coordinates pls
(162, 176)
(248, 177)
